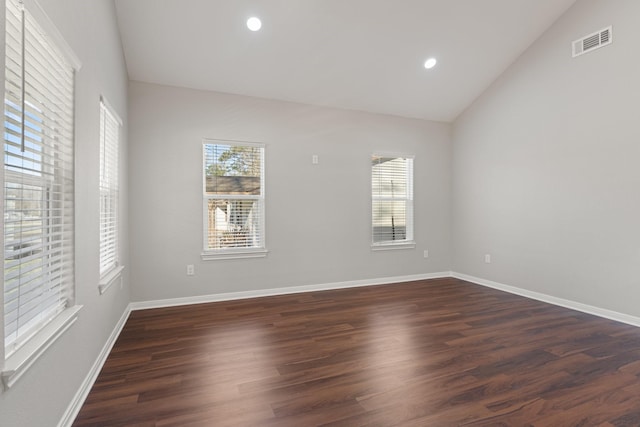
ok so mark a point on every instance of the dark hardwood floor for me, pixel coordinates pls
(431, 353)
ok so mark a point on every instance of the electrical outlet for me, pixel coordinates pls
(487, 259)
(190, 270)
(314, 159)
(426, 253)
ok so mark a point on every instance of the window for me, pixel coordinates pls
(38, 189)
(233, 200)
(110, 267)
(391, 201)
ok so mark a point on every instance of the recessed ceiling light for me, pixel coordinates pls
(254, 24)
(430, 63)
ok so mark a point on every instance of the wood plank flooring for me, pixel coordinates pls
(430, 353)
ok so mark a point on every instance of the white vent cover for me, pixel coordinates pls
(592, 41)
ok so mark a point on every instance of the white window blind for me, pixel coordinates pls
(109, 189)
(391, 199)
(233, 197)
(38, 179)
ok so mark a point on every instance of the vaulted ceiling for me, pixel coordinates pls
(356, 54)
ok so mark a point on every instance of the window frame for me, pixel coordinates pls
(109, 186)
(209, 254)
(408, 242)
(45, 36)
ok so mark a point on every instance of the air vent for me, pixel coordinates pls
(592, 41)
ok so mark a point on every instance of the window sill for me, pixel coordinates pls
(114, 275)
(20, 361)
(393, 246)
(235, 254)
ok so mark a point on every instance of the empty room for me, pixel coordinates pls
(321, 213)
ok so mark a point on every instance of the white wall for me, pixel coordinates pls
(318, 218)
(545, 167)
(42, 395)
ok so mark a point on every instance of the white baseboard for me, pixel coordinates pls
(229, 296)
(585, 308)
(81, 395)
